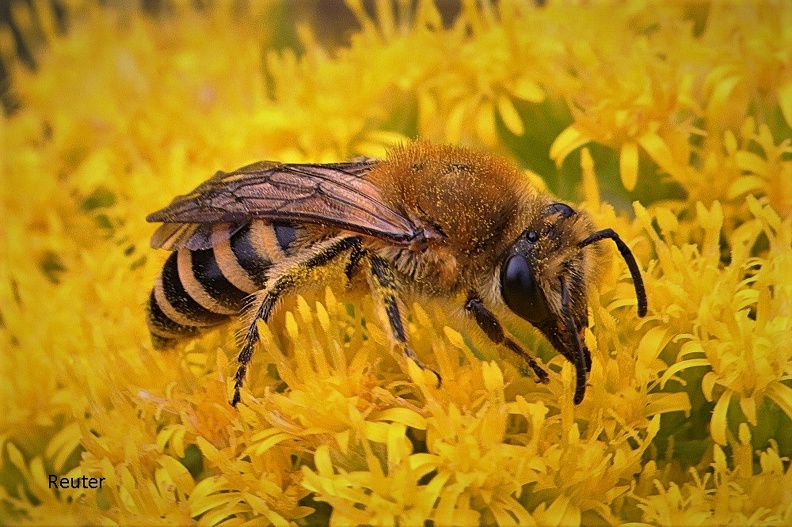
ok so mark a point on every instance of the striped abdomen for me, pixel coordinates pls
(204, 288)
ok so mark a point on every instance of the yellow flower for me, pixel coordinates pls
(657, 106)
(728, 495)
(741, 328)
(687, 413)
(767, 173)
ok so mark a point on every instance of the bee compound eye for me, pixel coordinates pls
(521, 292)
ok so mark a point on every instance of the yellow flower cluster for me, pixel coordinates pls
(688, 416)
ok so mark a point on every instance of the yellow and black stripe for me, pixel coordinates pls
(204, 288)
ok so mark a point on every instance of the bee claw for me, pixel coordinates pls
(543, 377)
(410, 355)
(439, 377)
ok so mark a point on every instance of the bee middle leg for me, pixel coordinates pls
(382, 281)
(489, 324)
(355, 256)
(297, 273)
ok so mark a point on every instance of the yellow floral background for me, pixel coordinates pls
(669, 122)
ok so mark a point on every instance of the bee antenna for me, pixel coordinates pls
(629, 259)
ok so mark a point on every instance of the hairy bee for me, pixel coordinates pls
(431, 220)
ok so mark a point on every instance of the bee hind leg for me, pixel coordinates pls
(489, 324)
(297, 273)
(382, 281)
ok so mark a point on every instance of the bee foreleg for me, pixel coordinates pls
(297, 273)
(382, 280)
(489, 324)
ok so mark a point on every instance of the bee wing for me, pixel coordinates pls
(192, 236)
(336, 195)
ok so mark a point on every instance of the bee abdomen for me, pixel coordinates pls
(204, 288)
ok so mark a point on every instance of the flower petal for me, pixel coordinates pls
(662, 403)
(750, 162)
(781, 394)
(651, 344)
(528, 90)
(719, 423)
(591, 190)
(744, 185)
(403, 416)
(511, 118)
(565, 143)
(682, 365)
(628, 165)
(785, 101)
(485, 124)
(748, 406)
(453, 128)
(658, 150)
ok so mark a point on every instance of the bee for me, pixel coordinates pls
(430, 220)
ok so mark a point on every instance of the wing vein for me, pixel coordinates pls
(335, 195)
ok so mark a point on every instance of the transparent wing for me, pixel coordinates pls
(336, 195)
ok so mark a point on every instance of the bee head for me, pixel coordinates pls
(543, 280)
